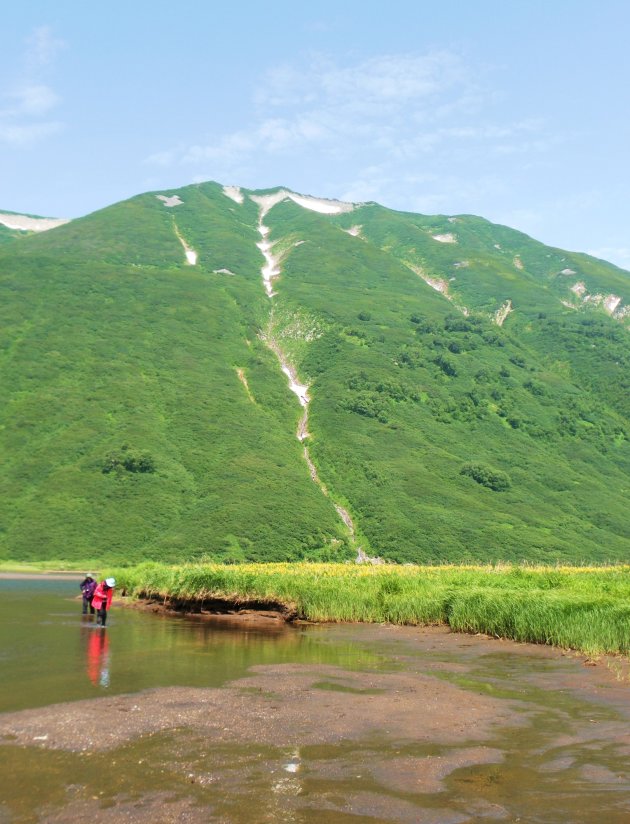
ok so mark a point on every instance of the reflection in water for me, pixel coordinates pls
(48, 650)
(97, 655)
(286, 786)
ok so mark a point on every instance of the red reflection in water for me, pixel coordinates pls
(97, 656)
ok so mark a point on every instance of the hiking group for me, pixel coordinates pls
(97, 598)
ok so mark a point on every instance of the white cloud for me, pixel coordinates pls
(30, 100)
(380, 81)
(374, 126)
(398, 79)
(26, 105)
(330, 107)
(21, 135)
(42, 48)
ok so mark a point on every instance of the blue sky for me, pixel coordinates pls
(516, 111)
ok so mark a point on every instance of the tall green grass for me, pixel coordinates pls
(581, 608)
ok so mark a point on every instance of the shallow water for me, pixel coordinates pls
(558, 752)
(49, 652)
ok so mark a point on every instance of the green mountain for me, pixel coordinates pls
(412, 387)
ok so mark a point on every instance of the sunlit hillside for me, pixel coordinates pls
(212, 372)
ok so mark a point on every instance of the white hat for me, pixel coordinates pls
(111, 582)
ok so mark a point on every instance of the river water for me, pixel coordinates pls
(161, 719)
(50, 653)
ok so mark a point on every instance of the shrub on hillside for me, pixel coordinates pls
(369, 405)
(457, 323)
(447, 366)
(491, 478)
(129, 460)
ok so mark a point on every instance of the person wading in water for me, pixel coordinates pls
(88, 585)
(102, 600)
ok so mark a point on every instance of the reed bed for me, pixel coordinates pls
(581, 608)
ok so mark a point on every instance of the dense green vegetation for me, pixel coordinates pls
(7, 235)
(102, 354)
(582, 609)
(128, 433)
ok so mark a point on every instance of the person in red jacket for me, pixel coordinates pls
(102, 600)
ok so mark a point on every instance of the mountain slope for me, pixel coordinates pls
(452, 395)
(14, 225)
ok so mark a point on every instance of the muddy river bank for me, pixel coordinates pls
(341, 723)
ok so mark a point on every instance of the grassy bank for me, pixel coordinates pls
(586, 609)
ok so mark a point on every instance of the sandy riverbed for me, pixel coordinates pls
(311, 742)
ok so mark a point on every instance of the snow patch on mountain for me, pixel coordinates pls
(501, 314)
(609, 303)
(31, 224)
(345, 517)
(355, 231)
(271, 270)
(191, 255)
(322, 205)
(298, 389)
(267, 202)
(170, 200)
(234, 193)
(301, 327)
(439, 284)
(315, 204)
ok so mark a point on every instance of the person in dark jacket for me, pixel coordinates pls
(102, 600)
(88, 585)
